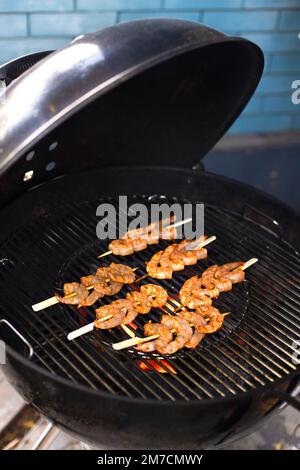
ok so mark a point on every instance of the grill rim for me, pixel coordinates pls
(259, 389)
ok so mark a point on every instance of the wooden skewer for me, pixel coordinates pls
(177, 224)
(135, 341)
(248, 264)
(88, 328)
(53, 300)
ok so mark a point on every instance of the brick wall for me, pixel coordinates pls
(31, 25)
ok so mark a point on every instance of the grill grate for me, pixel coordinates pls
(253, 348)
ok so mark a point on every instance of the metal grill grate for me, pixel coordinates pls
(254, 347)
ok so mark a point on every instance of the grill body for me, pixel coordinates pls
(114, 420)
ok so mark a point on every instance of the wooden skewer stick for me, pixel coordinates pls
(88, 328)
(177, 224)
(128, 343)
(248, 264)
(53, 300)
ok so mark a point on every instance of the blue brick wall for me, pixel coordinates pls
(31, 25)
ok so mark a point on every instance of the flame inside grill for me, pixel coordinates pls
(161, 366)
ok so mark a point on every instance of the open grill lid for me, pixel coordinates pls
(158, 91)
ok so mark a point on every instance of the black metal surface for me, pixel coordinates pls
(14, 68)
(161, 102)
(120, 406)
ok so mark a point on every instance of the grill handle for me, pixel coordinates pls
(284, 396)
(24, 340)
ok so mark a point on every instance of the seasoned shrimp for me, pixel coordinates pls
(192, 294)
(139, 301)
(230, 271)
(105, 285)
(196, 320)
(168, 233)
(152, 238)
(121, 247)
(167, 259)
(139, 244)
(91, 299)
(156, 270)
(118, 316)
(165, 337)
(214, 320)
(79, 291)
(157, 296)
(210, 281)
(191, 245)
(135, 233)
(126, 306)
(186, 257)
(183, 333)
(121, 273)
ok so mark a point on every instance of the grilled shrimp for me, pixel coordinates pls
(121, 273)
(91, 299)
(186, 257)
(165, 337)
(118, 316)
(139, 301)
(214, 320)
(183, 333)
(105, 285)
(152, 237)
(139, 244)
(191, 245)
(192, 294)
(196, 320)
(81, 293)
(168, 233)
(210, 281)
(135, 233)
(126, 306)
(156, 270)
(167, 259)
(157, 296)
(121, 247)
(230, 271)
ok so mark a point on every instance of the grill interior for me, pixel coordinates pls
(253, 348)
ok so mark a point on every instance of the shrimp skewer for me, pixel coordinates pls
(138, 239)
(124, 311)
(175, 257)
(107, 281)
(211, 314)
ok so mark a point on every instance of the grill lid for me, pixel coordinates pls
(159, 91)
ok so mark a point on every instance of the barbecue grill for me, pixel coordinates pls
(129, 111)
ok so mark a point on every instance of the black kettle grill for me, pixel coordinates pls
(130, 110)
